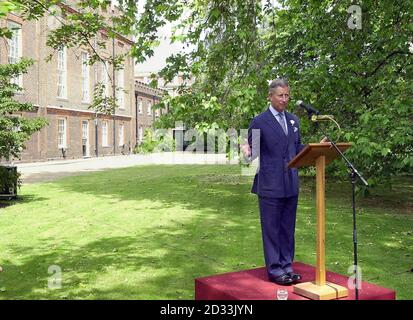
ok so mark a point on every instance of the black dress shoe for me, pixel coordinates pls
(283, 280)
(294, 276)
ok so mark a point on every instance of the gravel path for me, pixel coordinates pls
(52, 170)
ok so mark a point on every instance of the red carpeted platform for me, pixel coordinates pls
(254, 285)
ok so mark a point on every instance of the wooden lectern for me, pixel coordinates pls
(320, 155)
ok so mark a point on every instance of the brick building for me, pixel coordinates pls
(146, 97)
(170, 87)
(61, 91)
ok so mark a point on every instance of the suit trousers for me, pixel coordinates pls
(278, 217)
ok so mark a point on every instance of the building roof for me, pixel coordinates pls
(141, 87)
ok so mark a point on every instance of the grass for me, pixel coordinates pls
(146, 233)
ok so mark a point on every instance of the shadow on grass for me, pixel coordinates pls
(398, 200)
(161, 263)
(224, 192)
(194, 187)
(225, 195)
(222, 236)
(5, 204)
(21, 199)
(114, 268)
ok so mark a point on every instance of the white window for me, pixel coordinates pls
(85, 130)
(62, 73)
(95, 73)
(140, 133)
(105, 134)
(140, 106)
(61, 133)
(15, 48)
(157, 112)
(85, 77)
(120, 93)
(105, 77)
(149, 107)
(121, 135)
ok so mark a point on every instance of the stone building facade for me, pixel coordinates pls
(62, 90)
(146, 116)
(170, 87)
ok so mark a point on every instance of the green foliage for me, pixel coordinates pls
(102, 102)
(5, 8)
(78, 28)
(15, 130)
(9, 178)
(148, 144)
(234, 47)
(361, 76)
(156, 141)
(227, 62)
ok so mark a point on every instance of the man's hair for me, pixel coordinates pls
(280, 82)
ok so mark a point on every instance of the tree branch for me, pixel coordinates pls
(63, 22)
(385, 60)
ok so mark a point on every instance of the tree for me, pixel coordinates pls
(360, 75)
(15, 130)
(81, 20)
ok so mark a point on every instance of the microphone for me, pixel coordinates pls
(324, 117)
(310, 110)
(321, 117)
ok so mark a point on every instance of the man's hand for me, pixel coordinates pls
(246, 150)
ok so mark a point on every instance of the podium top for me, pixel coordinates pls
(312, 151)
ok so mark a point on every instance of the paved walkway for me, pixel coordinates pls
(51, 170)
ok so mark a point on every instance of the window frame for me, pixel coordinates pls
(85, 77)
(62, 73)
(15, 50)
(121, 135)
(62, 136)
(105, 135)
(120, 93)
(105, 77)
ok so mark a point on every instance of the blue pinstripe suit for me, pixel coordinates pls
(277, 186)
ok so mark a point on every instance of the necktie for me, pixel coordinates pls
(282, 122)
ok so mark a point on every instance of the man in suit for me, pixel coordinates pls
(274, 137)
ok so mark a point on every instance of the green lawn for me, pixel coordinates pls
(146, 233)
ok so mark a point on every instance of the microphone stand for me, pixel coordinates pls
(353, 177)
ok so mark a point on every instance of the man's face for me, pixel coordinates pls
(279, 98)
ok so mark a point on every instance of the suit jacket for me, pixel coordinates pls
(274, 149)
